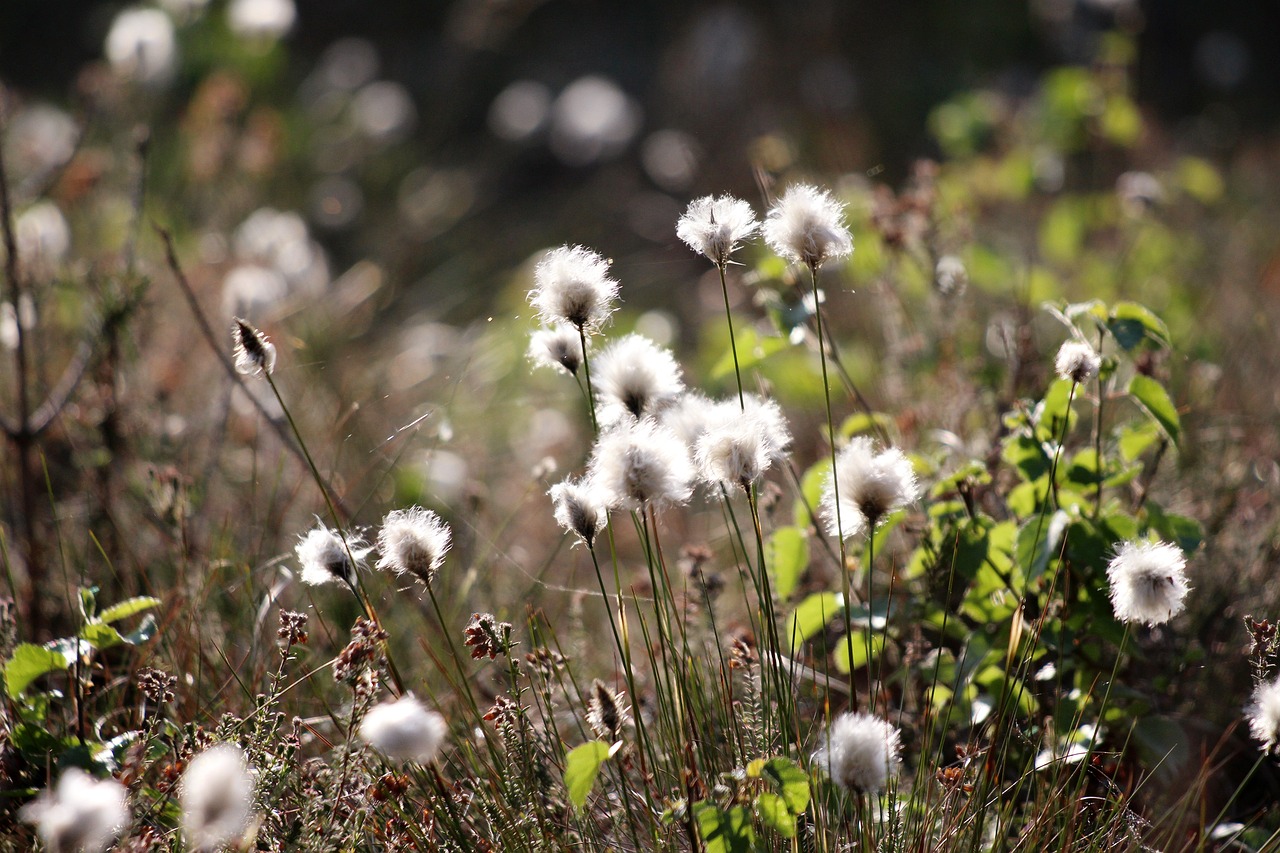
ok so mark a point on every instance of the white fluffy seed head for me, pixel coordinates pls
(558, 347)
(740, 444)
(715, 226)
(807, 225)
(572, 285)
(216, 796)
(1077, 362)
(639, 465)
(413, 542)
(950, 276)
(867, 486)
(141, 46)
(1148, 582)
(1263, 714)
(580, 509)
(634, 378)
(404, 730)
(326, 557)
(81, 814)
(254, 354)
(860, 752)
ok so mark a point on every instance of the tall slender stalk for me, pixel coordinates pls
(733, 341)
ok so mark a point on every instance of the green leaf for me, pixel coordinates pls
(1136, 438)
(1039, 541)
(143, 632)
(1130, 324)
(787, 556)
(1182, 531)
(773, 813)
(724, 831)
(862, 422)
(1027, 455)
(810, 617)
(850, 651)
(581, 767)
(790, 781)
(28, 663)
(100, 635)
(812, 485)
(752, 349)
(128, 607)
(1151, 396)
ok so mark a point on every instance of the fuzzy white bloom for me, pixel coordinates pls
(580, 508)
(80, 815)
(869, 485)
(639, 465)
(326, 557)
(689, 416)
(413, 542)
(558, 346)
(950, 276)
(261, 20)
(141, 46)
(43, 236)
(216, 796)
(1264, 714)
(807, 225)
(572, 285)
(1077, 361)
(404, 730)
(713, 227)
(255, 355)
(634, 379)
(1148, 582)
(860, 752)
(739, 449)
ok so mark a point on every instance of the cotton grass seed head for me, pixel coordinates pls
(738, 450)
(580, 509)
(867, 486)
(216, 796)
(80, 815)
(557, 347)
(413, 542)
(715, 226)
(1077, 361)
(404, 730)
(634, 379)
(1263, 714)
(1148, 582)
(860, 753)
(572, 285)
(255, 355)
(639, 465)
(950, 276)
(326, 556)
(807, 225)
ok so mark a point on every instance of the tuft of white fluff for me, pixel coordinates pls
(860, 752)
(81, 814)
(639, 465)
(1148, 582)
(807, 225)
(866, 486)
(413, 542)
(739, 448)
(634, 379)
(1077, 361)
(558, 347)
(1263, 714)
(572, 285)
(404, 730)
(216, 796)
(326, 556)
(141, 46)
(715, 226)
(580, 509)
(254, 353)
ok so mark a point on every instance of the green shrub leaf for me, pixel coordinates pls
(128, 607)
(811, 616)
(787, 556)
(1151, 396)
(581, 767)
(28, 663)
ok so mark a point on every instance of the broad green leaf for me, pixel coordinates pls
(100, 635)
(861, 422)
(145, 631)
(1039, 541)
(128, 607)
(787, 556)
(581, 767)
(1131, 323)
(724, 831)
(1136, 438)
(1027, 455)
(88, 602)
(752, 349)
(790, 781)
(850, 651)
(28, 663)
(1182, 531)
(1151, 396)
(811, 616)
(1055, 409)
(772, 812)
(812, 484)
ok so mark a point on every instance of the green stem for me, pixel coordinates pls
(733, 341)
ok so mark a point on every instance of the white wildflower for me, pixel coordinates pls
(1077, 361)
(713, 227)
(580, 509)
(43, 236)
(326, 556)
(141, 46)
(80, 815)
(636, 378)
(404, 730)
(860, 752)
(255, 355)
(689, 416)
(413, 542)
(216, 796)
(572, 285)
(807, 225)
(261, 20)
(1264, 714)
(558, 346)
(869, 485)
(950, 276)
(1148, 582)
(739, 449)
(639, 465)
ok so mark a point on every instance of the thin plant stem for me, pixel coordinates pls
(586, 370)
(733, 341)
